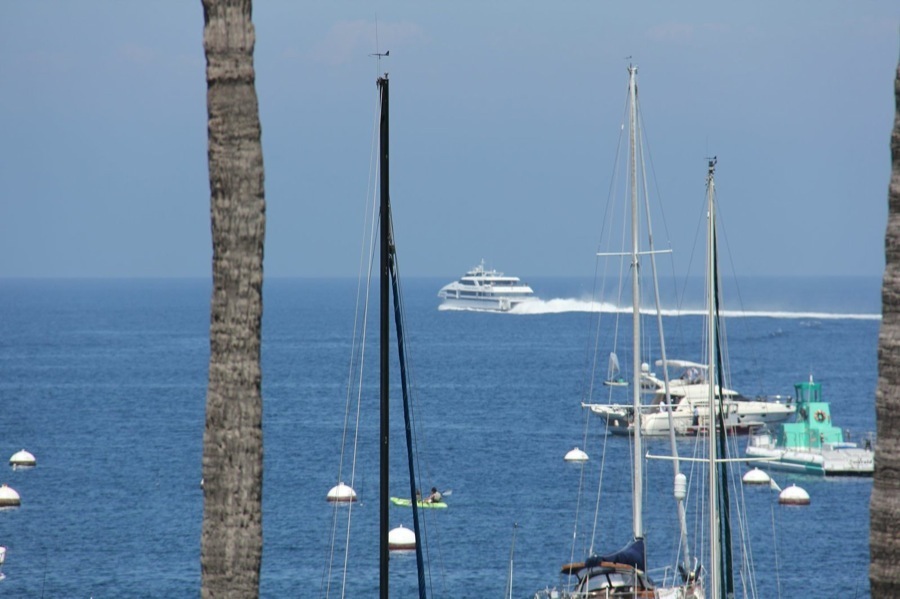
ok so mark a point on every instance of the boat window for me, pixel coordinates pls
(619, 579)
(600, 580)
(595, 582)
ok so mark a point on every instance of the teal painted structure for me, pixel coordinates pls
(812, 428)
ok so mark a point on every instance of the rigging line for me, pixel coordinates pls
(599, 500)
(590, 357)
(378, 53)
(585, 435)
(623, 236)
(611, 195)
(366, 303)
(775, 544)
(622, 232)
(660, 205)
(588, 385)
(690, 263)
(410, 371)
(642, 192)
(581, 486)
(358, 409)
(414, 426)
(682, 516)
(368, 217)
(607, 218)
(600, 485)
(608, 212)
(747, 563)
(700, 449)
(590, 371)
(730, 255)
(417, 423)
(354, 342)
(595, 522)
(402, 355)
(508, 592)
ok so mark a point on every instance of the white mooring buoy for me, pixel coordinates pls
(756, 477)
(401, 539)
(794, 495)
(22, 459)
(341, 494)
(8, 496)
(576, 455)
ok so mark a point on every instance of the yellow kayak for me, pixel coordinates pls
(424, 504)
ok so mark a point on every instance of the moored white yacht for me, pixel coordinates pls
(483, 289)
(689, 394)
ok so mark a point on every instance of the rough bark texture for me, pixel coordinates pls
(231, 544)
(884, 529)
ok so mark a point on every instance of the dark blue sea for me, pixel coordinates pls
(104, 382)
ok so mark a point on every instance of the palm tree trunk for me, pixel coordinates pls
(884, 528)
(231, 544)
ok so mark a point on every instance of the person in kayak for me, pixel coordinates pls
(435, 496)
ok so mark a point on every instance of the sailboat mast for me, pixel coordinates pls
(638, 485)
(385, 243)
(714, 528)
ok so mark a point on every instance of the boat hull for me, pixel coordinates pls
(486, 304)
(741, 417)
(402, 502)
(851, 461)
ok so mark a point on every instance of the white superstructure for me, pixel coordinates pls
(689, 395)
(482, 289)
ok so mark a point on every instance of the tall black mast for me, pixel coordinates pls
(721, 438)
(384, 216)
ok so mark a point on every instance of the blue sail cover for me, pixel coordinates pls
(632, 555)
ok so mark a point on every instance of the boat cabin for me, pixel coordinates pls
(813, 428)
(608, 579)
(618, 574)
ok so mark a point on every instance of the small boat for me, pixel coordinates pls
(812, 444)
(483, 289)
(614, 379)
(405, 502)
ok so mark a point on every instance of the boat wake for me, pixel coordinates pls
(562, 305)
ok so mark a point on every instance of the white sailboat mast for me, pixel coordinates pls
(714, 528)
(638, 484)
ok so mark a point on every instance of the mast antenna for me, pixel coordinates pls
(377, 53)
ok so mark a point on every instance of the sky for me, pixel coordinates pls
(505, 119)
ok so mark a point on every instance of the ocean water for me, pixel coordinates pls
(104, 381)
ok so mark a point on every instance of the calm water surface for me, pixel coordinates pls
(104, 381)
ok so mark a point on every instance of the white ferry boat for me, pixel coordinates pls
(481, 289)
